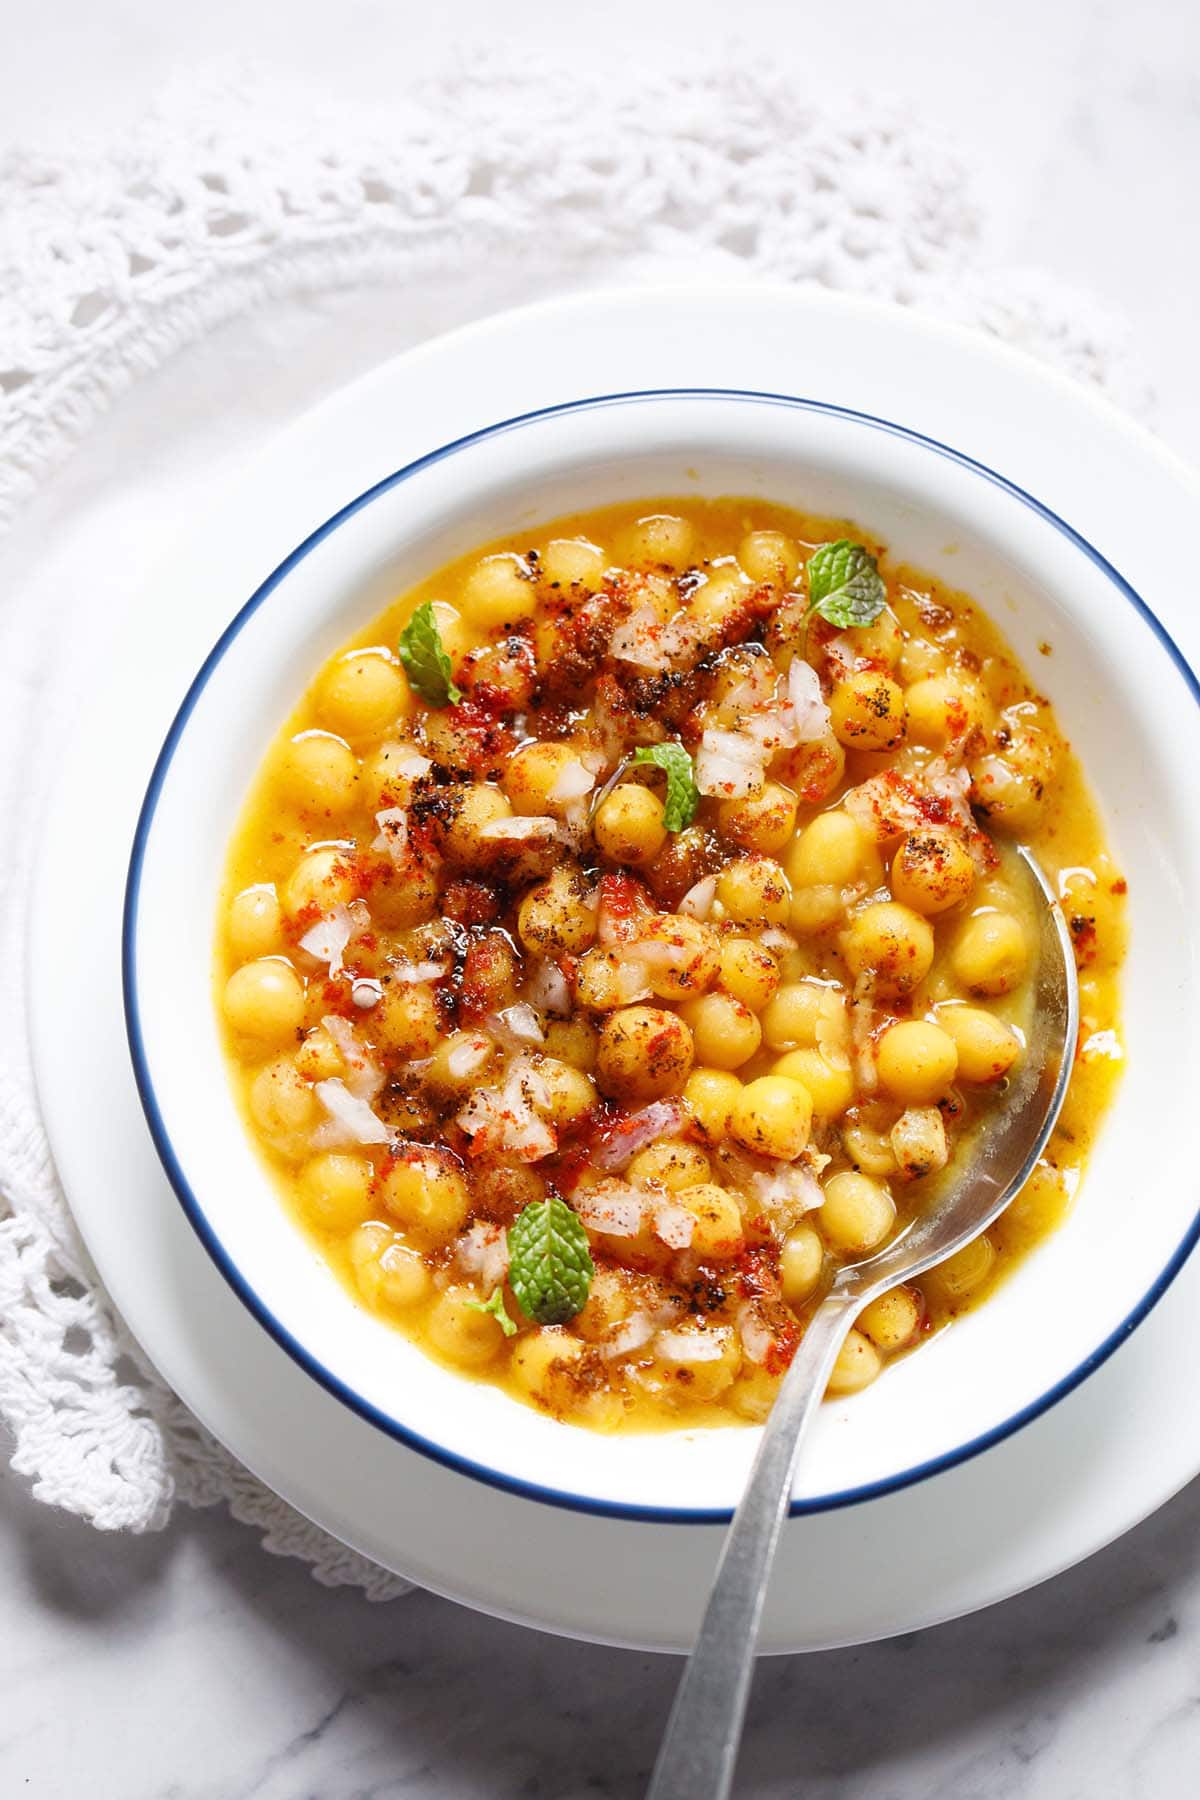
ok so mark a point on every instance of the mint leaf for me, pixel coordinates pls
(844, 584)
(425, 661)
(550, 1267)
(494, 1304)
(683, 796)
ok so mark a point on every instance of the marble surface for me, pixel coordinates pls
(193, 1666)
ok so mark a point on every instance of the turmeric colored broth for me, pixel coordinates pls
(452, 984)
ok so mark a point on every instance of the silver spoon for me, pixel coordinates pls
(699, 1748)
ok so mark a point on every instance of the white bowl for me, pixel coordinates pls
(1124, 695)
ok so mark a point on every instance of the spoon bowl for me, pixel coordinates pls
(700, 1745)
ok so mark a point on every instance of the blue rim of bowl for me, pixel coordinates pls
(530, 1490)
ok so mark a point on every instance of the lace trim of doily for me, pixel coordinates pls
(235, 192)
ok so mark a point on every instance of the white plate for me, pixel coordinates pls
(1095, 1464)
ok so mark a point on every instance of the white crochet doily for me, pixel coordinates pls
(236, 195)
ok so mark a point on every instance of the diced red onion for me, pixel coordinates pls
(631, 1335)
(811, 714)
(414, 973)
(483, 1251)
(674, 1224)
(758, 1340)
(328, 938)
(520, 830)
(623, 1140)
(776, 938)
(690, 1346)
(365, 992)
(572, 782)
(516, 1027)
(363, 1078)
(611, 1206)
(392, 840)
(468, 1057)
(787, 1187)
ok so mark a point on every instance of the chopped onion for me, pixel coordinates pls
(392, 840)
(697, 902)
(483, 1251)
(788, 1189)
(811, 715)
(503, 1120)
(776, 938)
(612, 1206)
(729, 764)
(572, 782)
(690, 1346)
(631, 1335)
(632, 980)
(674, 1224)
(414, 973)
(469, 1056)
(521, 830)
(639, 640)
(841, 656)
(365, 992)
(623, 1140)
(886, 805)
(516, 1027)
(758, 1340)
(363, 1078)
(328, 938)
(549, 990)
(351, 1115)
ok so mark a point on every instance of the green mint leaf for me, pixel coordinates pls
(425, 661)
(494, 1304)
(844, 584)
(683, 796)
(550, 1267)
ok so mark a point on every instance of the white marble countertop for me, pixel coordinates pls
(193, 1666)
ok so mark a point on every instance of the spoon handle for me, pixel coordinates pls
(699, 1750)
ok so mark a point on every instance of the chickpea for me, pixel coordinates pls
(498, 593)
(893, 1321)
(710, 1096)
(503, 675)
(866, 1137)
(881, 642)
(773, 1116)
(462, 1061)
(945, 709)
(661, 540)
(748, 972)
(803, 1013)
(891, 944)
(643, 1054)
(480, 804)
(813, 771)
(990, 953)
(532, 775)
(718, 602)
(987, 1049)
(817, 909)
(686, 957)
(858, 1365)
(320, 773)
(335, 1189)
(966, 1270)
(608, 1305)
(600, 981)
(801, 1261)
(265, 1000)
(390, 775)
(858, 1213)
(673, 1166)
(918, 658)
(573, 1041)
(406, 1019)
(461, 1331)
(546, 1363)
(572, 1094)
(916, 1061)
(867, 709)
(558, 916)
(318, 1058)
(753, 1394)
(762, 822)
(389, 1274)
(401, 898)
(1010, 785)
(572, 562)
(628, 825)
(284, 1107)
(932, 871)
(255, 922)
(834, 851)
(770, 556)
(1095, 920)
(830, 1088)
(322, 878)
(361, 695)
(424, 1188)
(918, 1140)
(717, 1232)
(726, 1033)
(754, 891)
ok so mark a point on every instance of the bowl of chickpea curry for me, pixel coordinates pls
(615, 929)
